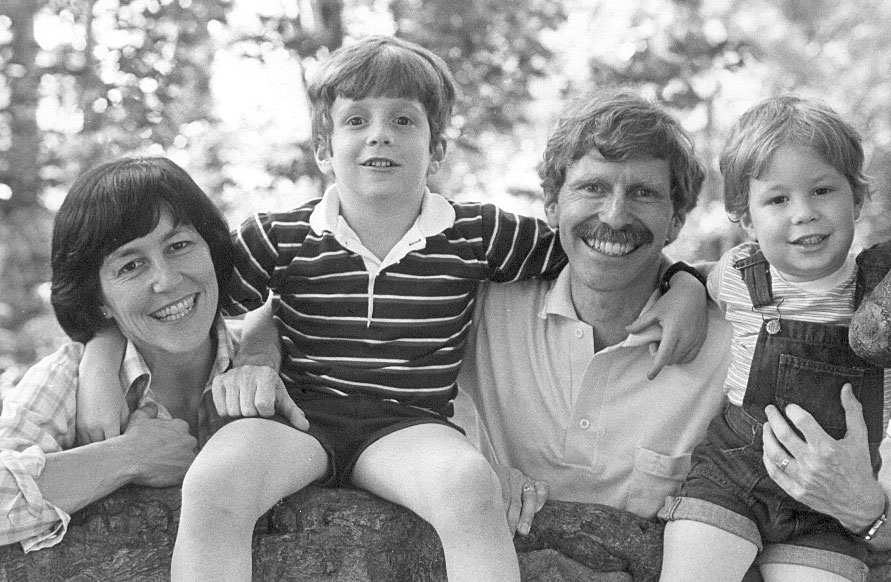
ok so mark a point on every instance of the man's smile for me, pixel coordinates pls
(614, 242)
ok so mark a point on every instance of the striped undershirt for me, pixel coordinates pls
(830, 303)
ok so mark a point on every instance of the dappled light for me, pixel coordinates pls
(219, 87)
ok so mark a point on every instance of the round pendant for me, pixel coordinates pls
(773, 326)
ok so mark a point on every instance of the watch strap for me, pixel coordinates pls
(665, 280)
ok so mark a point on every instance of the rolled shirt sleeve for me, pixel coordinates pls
(25, 515)
(37, 417)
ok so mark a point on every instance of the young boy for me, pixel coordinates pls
(374, 287)
(793, 178)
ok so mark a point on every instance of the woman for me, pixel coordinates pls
(136, 244)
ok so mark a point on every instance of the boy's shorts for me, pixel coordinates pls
(728, 487)
(347, 425)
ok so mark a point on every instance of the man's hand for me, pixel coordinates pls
(255, 391)
(522, 497)
(676, 322)
(830, 476)
(162, 449)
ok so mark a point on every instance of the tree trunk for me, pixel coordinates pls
(24, 222)
(20, 171)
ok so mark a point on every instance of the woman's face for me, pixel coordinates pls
(161, 289)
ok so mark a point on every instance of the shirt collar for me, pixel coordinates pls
(559, 298)
(558, 302)
(436, 215)
(135, 373)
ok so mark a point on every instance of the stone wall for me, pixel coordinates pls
(328, 535)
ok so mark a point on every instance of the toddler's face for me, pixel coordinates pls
(802, 212)
(379, 148)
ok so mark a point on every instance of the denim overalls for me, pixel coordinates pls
(798, 362)
(794, 362)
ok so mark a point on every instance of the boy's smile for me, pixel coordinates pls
(801, 212)
(379, 150)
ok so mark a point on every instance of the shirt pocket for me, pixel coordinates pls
(654, 477)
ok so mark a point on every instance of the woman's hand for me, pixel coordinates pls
(830, 476)
(164, 449)
(522, 496)
(255, 391)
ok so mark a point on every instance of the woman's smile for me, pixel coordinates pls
(178, 310)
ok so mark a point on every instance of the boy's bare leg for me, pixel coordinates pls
(694, 550)
(433, 470)
(247, 467)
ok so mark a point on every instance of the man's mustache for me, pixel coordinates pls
(634, 234)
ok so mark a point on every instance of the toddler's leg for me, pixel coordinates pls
(242, 471)
(794, 573)
(433, 470)
(694, 551)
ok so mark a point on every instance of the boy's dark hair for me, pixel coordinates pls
(383, 66)
(788, 120)
(111, 205)
(621, 125)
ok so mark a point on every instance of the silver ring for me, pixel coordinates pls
(785, 463)
(528, 487)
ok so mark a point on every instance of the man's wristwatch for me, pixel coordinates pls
(871, 532)
(665, 281)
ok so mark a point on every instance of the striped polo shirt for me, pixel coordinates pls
(395, 329)
(828, 300)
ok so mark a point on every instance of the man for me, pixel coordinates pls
(566, 397)
(563, 390)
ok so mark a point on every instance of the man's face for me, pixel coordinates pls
(614, 218)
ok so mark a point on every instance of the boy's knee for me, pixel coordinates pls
(467, 478)
(216, 489)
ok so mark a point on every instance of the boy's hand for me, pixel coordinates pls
(682, 316)
(255, 391)
(163, 449)
(522, 496)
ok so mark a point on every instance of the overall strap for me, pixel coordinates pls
(755, 271)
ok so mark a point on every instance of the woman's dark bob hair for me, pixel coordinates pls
(111, 205)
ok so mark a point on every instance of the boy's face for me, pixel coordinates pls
(802, 212)
(379, 149)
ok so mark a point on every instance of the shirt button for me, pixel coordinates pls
(579, 333)
(584, 423)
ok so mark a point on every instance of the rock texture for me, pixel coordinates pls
(870, 331)
(344, 536)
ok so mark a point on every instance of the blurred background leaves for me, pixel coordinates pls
(218, 86)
